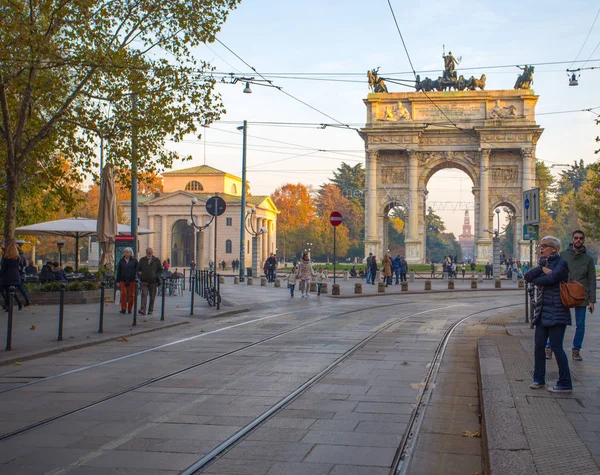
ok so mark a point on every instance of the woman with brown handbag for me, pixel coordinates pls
(553, 315)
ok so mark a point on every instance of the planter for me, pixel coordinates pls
(71, 297)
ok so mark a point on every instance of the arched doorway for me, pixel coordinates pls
(182, 247)
(395, 215)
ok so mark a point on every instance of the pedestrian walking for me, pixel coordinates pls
(291, 278)
(582, 270)
(10, 275)
(305, 273)
(403, 269)
(321, 277)
(432, 269)
(463, 269)
(271, 266)
(373, 269)
(126, 277)
(396, 264)
(368, 268)
(550, 317)
(149, 270)
(387, 269)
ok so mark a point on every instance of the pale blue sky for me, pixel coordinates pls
(352, 37)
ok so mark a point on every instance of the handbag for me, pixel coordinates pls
(572, 294)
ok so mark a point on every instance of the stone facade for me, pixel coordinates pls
(167, 214)
(490, 135)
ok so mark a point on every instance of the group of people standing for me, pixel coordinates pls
(397, 267)
(270, 267)
(148, 271)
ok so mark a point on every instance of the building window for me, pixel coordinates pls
(194, 186)
(228, 246)
(233, 189)
(228, 221)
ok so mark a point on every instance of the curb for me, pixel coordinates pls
(420, 292)
(505, 447)
(77, 346)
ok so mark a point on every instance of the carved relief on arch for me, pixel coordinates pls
(394, 175)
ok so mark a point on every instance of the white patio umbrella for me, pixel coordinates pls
(72, 227)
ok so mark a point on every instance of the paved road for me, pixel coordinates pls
(159, 402)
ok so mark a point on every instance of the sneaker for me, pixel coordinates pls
(142, 312)
(548, 353)
(559, 389)
(307, 295)
(577, 356)
(536, 385)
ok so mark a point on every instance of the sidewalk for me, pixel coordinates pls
(530, 431)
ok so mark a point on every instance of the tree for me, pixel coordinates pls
(63, 62)
(587, 203)
(351, 182)
(439, 243)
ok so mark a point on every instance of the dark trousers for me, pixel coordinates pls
(403, 277)
(556, 334)
(148, 290)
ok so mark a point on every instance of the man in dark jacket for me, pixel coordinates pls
(582, 270)
(149, 270)
(403, 269)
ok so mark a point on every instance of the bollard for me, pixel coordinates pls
(346, 276)
(411, 276)
(135, 306)
(101, 316)
(236, 280)
(313, 287)
(263, 281)
(521, 284)
(250, 281)
(9, 323)
(61, 312)
(221, 280)
(444, 276)
(277, 283)
(451, 284)
(473, 283)
(427, 285)
(497, 284)
(335, 290)
(192, 302)
(479, 276)
(324, 288)
(163, 297)
(514, 276)
(404, 286)
(381, 287)
(358, 288)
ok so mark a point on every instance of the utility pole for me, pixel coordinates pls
(134, 183)
(243, 128)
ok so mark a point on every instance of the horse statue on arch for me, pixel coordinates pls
(376, 84)
(525, 80)
(474, 83)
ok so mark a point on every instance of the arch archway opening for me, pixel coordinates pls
(182, 244)
(450, 217)
(395, 219)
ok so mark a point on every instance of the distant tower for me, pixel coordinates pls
(466, 239)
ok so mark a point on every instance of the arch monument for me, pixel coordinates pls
(490, 135)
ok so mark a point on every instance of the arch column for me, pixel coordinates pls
(484, 240)
(528, 182)
(372, 240)
(412, 242)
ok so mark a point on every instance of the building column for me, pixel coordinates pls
(484, 240)
(164, 239)
(151, 235)
(412, 241)
(528, 182)
(372, 241)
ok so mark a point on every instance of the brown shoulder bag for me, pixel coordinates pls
(572, 294)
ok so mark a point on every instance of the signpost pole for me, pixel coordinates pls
(334, 251)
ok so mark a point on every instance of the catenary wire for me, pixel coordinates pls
(586, 39)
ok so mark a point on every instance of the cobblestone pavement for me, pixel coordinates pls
(225, 372)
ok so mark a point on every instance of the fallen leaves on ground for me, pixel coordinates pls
(122, 339)
(519, 379)
(17, 362)
(467, 433)
(32, 327)
(403, 362)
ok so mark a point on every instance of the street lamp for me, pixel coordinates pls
(309, 248)
(60, 244)
(254, 232)
(244, 129)
(199, 229)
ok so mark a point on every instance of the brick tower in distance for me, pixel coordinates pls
(466, 239)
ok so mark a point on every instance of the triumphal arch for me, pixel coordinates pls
(451, 122)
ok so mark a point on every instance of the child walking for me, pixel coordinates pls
(321, 277)
(291, 278)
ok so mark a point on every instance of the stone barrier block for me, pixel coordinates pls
(427, 285)
(236, 280)
(313, 286)
(444, 276)
(335, 290)
(250, 281)
(521, 283)
(324, 288)
(479, 276)
(497, 284)
(411, 276)
(404, 286)
(346, 276)
(451, 284)
(221, 280)
(358, 288)
(514, 276)
(473, 283)
(263, 281)
(277, 283)
(381, 287)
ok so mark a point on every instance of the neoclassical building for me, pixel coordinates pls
(167, 213)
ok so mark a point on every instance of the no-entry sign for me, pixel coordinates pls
(336, 218)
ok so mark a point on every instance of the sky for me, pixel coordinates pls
(332, 39)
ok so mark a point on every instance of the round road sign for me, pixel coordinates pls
(336, 218)
(215, 206)
(527, 203)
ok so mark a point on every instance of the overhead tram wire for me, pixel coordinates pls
(585, 41)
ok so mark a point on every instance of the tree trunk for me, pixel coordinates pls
(12, 189)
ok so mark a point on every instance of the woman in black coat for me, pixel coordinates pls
(126, 276)
(11, 272)
(552, 316)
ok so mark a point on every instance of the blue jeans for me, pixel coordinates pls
(580, 331)
(319, 288)
(555, 334)
(292, 286)
(397, 272)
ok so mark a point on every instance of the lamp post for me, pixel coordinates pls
(199, 229)
(308, 248)
(60, 244)
(243, 128)
(255, 232)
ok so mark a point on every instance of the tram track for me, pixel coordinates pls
(402, 457)
(179, 371)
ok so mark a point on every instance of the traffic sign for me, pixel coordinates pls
(215, 206)
(531, 205)
(531, 232)
(335, 218)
